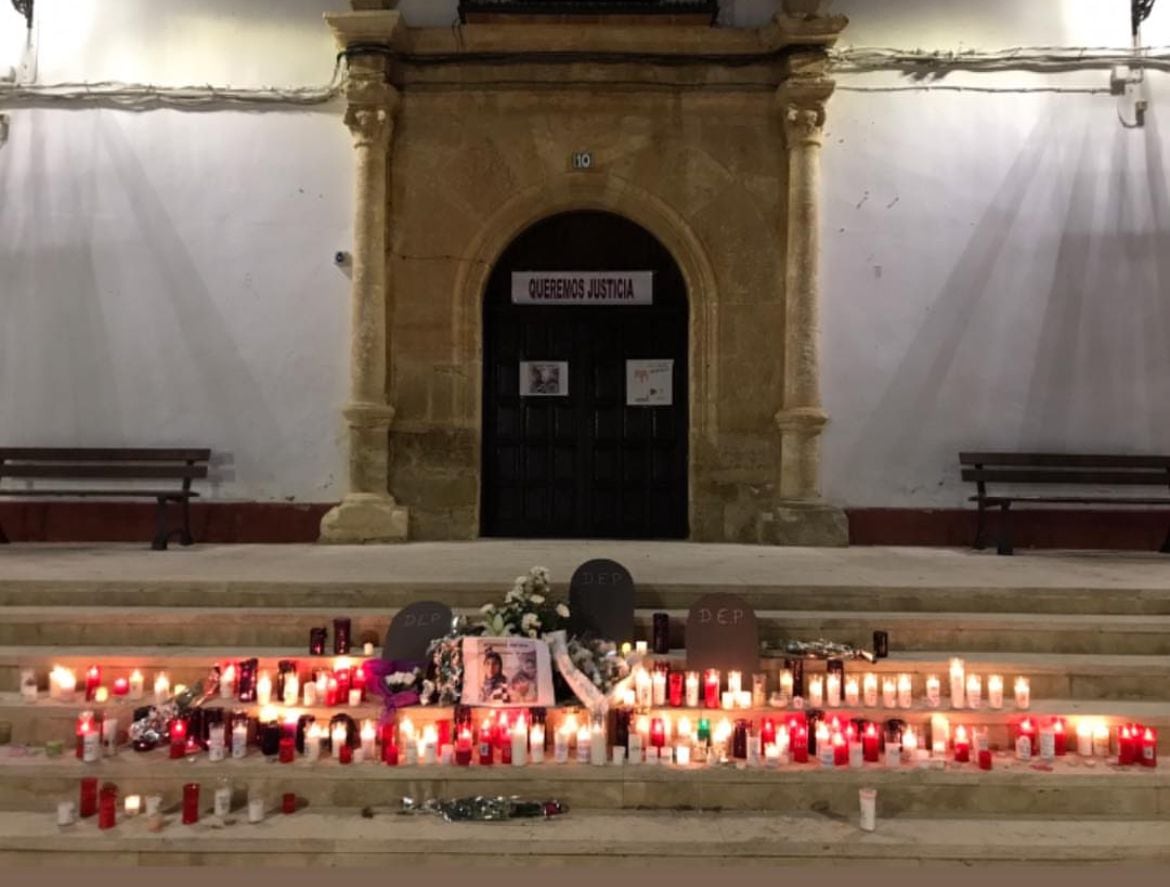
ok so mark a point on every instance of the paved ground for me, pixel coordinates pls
(649, 562)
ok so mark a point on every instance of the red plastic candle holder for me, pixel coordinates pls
(288, 803)
(674, 688)
(1126, 748)
(93, 680)
(88, 804)
(190, 803)
(121, 687)
(288, 749)
(870, 744)
(178, 738)
(711, 679)
(108, 806)
(1148, 748)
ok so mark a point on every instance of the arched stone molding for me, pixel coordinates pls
(583, 191)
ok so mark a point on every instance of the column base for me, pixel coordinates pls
(365, 517)
(809, 522)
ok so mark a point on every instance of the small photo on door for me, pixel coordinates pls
(544, 378)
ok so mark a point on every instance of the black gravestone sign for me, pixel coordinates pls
(722, 633)
(413, 628)
(601, 601)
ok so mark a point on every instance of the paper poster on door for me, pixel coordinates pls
(648, 383)
(544, 378)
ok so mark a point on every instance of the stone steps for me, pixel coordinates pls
(240, 626)
(1064, 676)
(760, 594)
(1070, 789)
(339, 836)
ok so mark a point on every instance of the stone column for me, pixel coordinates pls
(802, 518)
(368, 513)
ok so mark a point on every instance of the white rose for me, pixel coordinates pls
(562, 611)
(487, 608)
(537, 598)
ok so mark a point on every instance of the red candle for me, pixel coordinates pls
(179, 739)
(870, 743)
(121, 687)
(767, 731)
(1058, 731)
(88, 805)
(463, 748)
(1126, 751)
(288, 749)
(984, 759)
(657, 733)
(840, 750)
(675, 688)
(331, 688)
(502, 735)
(85, 726)
(444, 727)
(93, 680)
(288, 803)
(389, 745)
(506, 751)
(1148, 748)
(343, 678)
(798, 743)
(108, 806)
(345, 754)
(962, 745)
(711, 688)
(190, 803)
(485, 742)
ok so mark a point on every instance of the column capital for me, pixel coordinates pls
(804, 127)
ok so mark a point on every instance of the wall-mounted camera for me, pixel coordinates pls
(341, 258)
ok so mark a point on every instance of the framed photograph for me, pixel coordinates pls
(507, 671)
(544, 378)
(649, 383)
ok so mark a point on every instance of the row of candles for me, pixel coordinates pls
(103, 803)
(342, 683)
(660, 686)
(516, 737)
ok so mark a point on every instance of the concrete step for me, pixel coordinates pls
(1055, 675)
(240, 626)
(339, 836)
(771, 593)
(35, 723)
(32, 782)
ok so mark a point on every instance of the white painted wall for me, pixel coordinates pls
(995, 266)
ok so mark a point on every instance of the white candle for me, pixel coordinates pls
(222, 800)
(619, 755)
(759, 690)
(1047, 744)
(905, 691)
(893, 755)
(974, 691)
(216, 742)
(561, 745)
(869, 689)
(355, 697)
(255, 810)
(133, 805)
(640, 648)
(816, 691)
(958, 683)
(856, 754)
(1023, 748)
(728, 700)
(852, 691)
(137, 685)
(91, 747)
(1023, 693)
(682, 754)
(162, 688)
(868, 798)
(338, 735)
(1100, 740)
(833, 689)
(734, 681)
(771, 756)
(824, 746)
(933, 691)
(109, 736)
(643, 688)
(909, 742)
(368, 648)
(369, 736)
(406, 731)
(227, 681)
(536, 743)
(66, 813)
(889, 691)
(239, 740)
(520, 743)
(429, 745)
(292, 689)
(597, 746)
(692, 687)
(995, 691)
(583, 745)
(786, 686)
(743, 699)
(634, 747)
(940, 730)
(313, 742)
(753, 751)
(658, 684)
(28, 685)
(264, 689)
(310, 694)
(1085, 738)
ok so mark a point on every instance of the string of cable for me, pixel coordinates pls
(1036, 59)
(144, 97)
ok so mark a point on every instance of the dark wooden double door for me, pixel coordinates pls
(584, 464)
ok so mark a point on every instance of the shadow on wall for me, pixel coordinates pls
(1103, 345)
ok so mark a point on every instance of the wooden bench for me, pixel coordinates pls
(99, 464)
(1057, 469)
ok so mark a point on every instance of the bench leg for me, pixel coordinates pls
(1165, 549)
(185, 537)
(4, 540)
(978, 544)
(160, 526)
(1005, 529)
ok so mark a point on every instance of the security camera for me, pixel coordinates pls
(341, 258)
